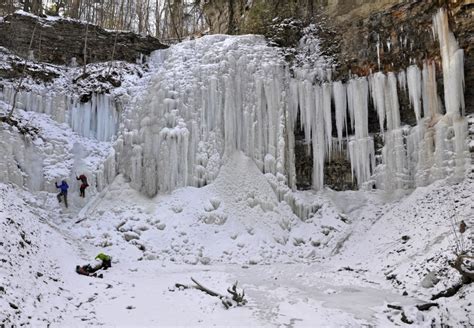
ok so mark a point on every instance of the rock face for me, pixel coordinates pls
(58, 41)
(362, 36)
(401, 35)
(359, 34)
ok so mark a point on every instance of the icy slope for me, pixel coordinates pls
(35, 259)
(416, 239)
(359, 252)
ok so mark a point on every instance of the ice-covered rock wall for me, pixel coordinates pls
(21, 163)
(209, 97)
(97, 118)
(36, 151)
(37, 162)
(214, 95)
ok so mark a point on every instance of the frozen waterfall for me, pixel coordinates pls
(218, 94)
(209, 97)
(97, 118)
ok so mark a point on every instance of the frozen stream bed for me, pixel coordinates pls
(275, 297)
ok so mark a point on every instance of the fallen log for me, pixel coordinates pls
(236, 300)
(426, 306)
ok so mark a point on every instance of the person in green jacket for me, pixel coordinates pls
(90, 270)
(106, 260)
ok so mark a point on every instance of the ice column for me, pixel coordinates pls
(431, 106)
(453, 79)
(414, 89)
(377, 91)
(361, 146)
(340, 104)
(97, 118)
(453, 65)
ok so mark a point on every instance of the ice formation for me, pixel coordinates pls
(97, 118)
(37, 161)
(202, 106)
(20, 160)
(219, 94)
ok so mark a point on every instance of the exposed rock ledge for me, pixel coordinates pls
(58, 40)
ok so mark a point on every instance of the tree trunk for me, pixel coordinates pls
(85, 43)
(37, 7)
(157, 18)
(26, 6)
(10, 114)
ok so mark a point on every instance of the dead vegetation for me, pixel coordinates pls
(237, 295)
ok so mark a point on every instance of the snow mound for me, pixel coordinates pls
(236, 219)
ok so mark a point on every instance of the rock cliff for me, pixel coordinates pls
(57, 40)
(360, 36)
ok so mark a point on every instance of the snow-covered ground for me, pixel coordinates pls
(360, 252)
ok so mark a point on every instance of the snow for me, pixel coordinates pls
(53, 153)
(191, 172)
(225, 232)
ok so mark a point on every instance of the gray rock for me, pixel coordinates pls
(59, 40)
(129, 235)
(429, 280)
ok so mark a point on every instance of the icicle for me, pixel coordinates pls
(350, 102)
(318, 140)
(391, 102)
(430, 93)
(340, 103)
(414, 89)
(453, 65)
(361, 146)
(326, 107)
(402, 80)
(378, 51)
(377, 83)
(453, 79)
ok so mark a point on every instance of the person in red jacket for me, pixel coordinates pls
(84, 185)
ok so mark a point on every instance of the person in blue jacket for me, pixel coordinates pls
(63, 187)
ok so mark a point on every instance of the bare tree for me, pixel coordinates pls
(23, 73)
(37, 7)
(113, 51)
(7, 7)
(85, 42)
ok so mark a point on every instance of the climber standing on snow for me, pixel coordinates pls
(64, 187)
(84, 185)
